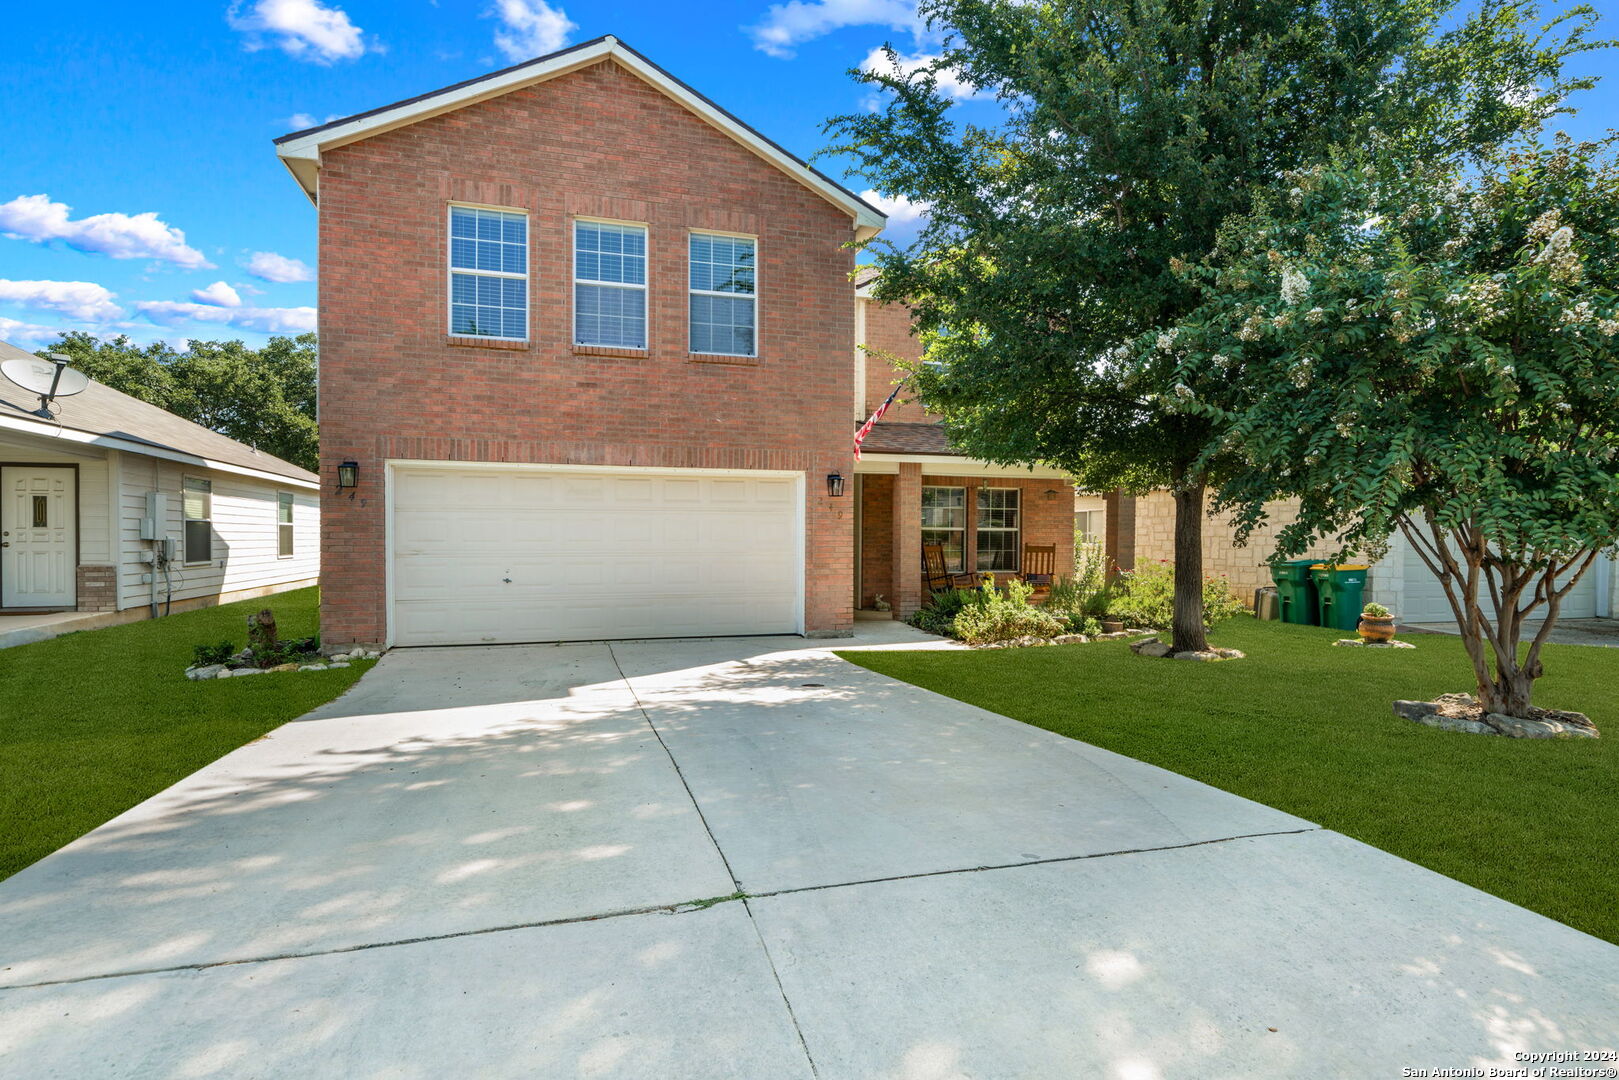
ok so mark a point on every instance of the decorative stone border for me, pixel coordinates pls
(1156, 649)
(1462, 712)
(1357, 643)
(224, 671)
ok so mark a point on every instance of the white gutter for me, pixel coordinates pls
(953, 465)
(112, 442)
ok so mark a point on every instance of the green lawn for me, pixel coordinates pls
(1307, 728)
(92, 723)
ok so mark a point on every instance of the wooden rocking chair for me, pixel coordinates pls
(939, 578)
(1039, 568)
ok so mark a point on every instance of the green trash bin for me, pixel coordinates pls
(1340, 589)
(1295, 591)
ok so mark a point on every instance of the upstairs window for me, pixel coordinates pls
(723, 289)
(488, 273)
(609, 285)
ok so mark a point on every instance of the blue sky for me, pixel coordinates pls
(140, 194)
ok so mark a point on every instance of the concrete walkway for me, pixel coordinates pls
(525, 861)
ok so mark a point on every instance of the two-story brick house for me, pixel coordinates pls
(591, 346)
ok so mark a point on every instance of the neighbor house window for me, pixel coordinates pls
(197, 507)
(944, 522)
(723, 288)
(609, 285)
(997, 526)
(283, 524)
(488, 273)
(1088, 523)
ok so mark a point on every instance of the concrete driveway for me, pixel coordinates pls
(526, 861)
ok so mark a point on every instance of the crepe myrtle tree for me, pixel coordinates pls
(1436, 356)
(1117, 136)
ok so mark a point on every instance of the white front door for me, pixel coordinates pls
(38, 536)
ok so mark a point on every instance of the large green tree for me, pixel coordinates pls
(1436, 355)
(262, 397)
(1126, 132)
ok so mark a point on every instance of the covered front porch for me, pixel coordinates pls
(983, 517)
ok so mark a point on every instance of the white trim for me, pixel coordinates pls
(302, 156)
(860, 403)
(1603, 569)
(52, 431)
(450, 270)
(753, 296)
(800, 515)
(645, 286)
(954, 465)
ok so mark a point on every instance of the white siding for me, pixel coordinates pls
(94, 506)
(244, 532)
(1403, 582)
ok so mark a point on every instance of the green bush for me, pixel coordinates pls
(993, 614)
(938, 615)
(1089, 625)
(1375, 611)
(213, 654)
(1146, 597)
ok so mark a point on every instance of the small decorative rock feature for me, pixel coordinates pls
(1462, 712)
(1157, 649)
(1357, 643)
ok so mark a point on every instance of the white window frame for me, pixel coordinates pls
(576, 281)
(208, 518)
(754, 296)
(450, 270)
(291, 502)
(966, 508)
(1015, 530)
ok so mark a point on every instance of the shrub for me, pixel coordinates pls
(939, 613)
(1089, 625)
(213, 654)
(995, 615)
(1146, 597)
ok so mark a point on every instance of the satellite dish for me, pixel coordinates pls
(50, 379)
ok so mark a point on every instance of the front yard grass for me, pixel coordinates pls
(93, 722)
(1307, 728)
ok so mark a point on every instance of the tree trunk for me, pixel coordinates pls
(1186, 631)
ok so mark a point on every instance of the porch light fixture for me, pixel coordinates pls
(348, 474)
(834, 484)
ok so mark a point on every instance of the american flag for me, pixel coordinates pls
(865, 429)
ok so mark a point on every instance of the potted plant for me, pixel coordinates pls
(1376, 623)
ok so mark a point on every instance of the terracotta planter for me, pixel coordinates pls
(1376, 628)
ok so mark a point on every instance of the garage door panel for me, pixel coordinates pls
(486, 555)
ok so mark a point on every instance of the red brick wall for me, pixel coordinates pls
(876, 538)
(596, 143)
(888, 329)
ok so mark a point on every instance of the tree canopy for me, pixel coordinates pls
(1126, 133)
(1434, 354)
(262, 397)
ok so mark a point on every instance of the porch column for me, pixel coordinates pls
(907, 540)
(1119, 532)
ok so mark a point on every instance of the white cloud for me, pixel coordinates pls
(274, 320)
(300, 120)
(21, 333)
(218, 294)
(797, 21)
(122, 236)
(268, 266)
(76, 299)
(305, 29)
(900, 210)
(530, 28)
(948, 80)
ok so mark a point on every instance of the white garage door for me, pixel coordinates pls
(1425, 598)
(487, 555)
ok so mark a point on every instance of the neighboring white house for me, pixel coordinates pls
(112, 505)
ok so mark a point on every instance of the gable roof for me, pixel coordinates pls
(102, 416)
(300, 151)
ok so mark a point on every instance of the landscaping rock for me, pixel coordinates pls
(1200, 656)
(1151, 647)
(243, 671)
(206, 671)
(340, 663)
(284, 667)
(1462, 712)
(1357, 643)
(313, 667)
(1517, 728)
(1070, 639)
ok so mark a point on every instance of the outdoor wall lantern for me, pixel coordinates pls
(348, 474)
(834, 484)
